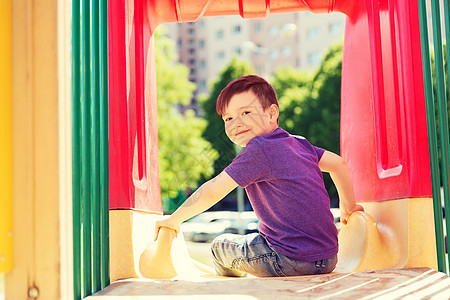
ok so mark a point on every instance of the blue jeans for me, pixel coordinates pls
(235, 255)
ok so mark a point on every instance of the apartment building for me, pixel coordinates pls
(296, 39)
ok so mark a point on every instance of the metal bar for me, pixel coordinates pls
(95, 145)
(432, 139)
(447, 38)
(86, 147)
(104, 144)
(76, 150)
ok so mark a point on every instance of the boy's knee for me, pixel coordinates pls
(215, 244)
(218, 244)
(218, 240)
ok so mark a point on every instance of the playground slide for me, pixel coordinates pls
(382, 125)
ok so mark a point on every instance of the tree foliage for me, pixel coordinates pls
(215, 130)
(184, 155)
(310, 103)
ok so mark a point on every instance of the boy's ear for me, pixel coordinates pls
(274, 112)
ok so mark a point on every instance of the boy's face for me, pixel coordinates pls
(245, 118)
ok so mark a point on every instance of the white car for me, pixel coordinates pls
(206, 226)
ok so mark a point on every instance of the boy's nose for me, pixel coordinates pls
(238, 123)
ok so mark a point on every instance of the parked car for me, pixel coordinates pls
(246, 223)
(206, 226)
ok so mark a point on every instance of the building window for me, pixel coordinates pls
(192, 42)
(314, 58)
(258, 27)
(192, 62)
(192, 51)
(193, 72)
(202, 64)
(286, 51)
(313, 34)
(201, 23)
(273, 53)
(220, 55)
(273, 30)
(237, 51)
(203, 84)
(236, 29)
(219, 34)
(191, 31)
(259, 69)
(201, 44)
(336, 28)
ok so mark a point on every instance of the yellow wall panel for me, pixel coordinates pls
(5, 137)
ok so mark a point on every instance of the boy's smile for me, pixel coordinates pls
(245, 118)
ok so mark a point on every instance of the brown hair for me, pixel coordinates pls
(258, 85)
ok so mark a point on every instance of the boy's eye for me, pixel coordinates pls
(245, 113)
(228, 119)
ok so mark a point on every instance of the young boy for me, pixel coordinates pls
(282, 175)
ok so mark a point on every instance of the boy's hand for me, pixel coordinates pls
(168, 223)
(345, 213)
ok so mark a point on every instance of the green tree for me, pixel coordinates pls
(310, 104)
(184, 155)
(215, 130)
(321, 114)
(292, 86)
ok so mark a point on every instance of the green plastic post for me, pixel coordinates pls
(86, 147)
(447, 35)
(104, 144)
(431, 125)
(95, 146)
(76, 150)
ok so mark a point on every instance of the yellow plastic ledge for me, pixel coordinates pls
(389, 234)
(135, 254)
(365, 246)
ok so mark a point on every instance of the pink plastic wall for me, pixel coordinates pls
(133, 136)
(383, 123)
(383, 118)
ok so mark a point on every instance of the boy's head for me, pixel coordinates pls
(258, 85)
(249, 108)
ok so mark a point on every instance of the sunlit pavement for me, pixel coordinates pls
(200, 252)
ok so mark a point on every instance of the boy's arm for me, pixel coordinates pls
(336, 166)
(203, 198)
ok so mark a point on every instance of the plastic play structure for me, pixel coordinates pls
(383, 113)
(113, 140)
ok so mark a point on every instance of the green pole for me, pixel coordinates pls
(95, 146)
(86, 147)
(447, 38)
(431, 125)
(104, 144)
(441, 99)
(76, 150)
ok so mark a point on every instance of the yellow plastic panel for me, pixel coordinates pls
(135, 254)
(389, 235)
(5, 137)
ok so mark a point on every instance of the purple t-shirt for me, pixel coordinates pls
(284, 183)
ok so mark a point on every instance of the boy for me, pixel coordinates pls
(282, 175)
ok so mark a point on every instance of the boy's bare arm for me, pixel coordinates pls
(203, 198)
(336, 166)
